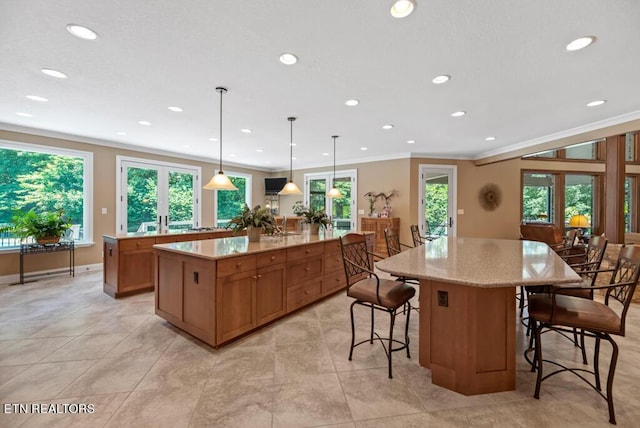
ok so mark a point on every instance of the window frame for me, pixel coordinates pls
(248, 192)
(87, 183)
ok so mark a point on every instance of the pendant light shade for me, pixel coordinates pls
(334, 192)
(290, 188)
(220, 181)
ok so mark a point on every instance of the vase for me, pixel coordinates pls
(254, 234)
(314, 228)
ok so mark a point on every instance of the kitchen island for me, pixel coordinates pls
(220, 289)
(128, 257)
(467, 305)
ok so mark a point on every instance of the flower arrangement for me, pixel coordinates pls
(372, 197)
(256, 217)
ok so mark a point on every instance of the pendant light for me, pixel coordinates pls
(220, 181)
(334, 192)
(290, 188)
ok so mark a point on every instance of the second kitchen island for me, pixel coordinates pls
(219, 289)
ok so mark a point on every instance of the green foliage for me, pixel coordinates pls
(256, 217)
(232, 201)
(436, 197)
(298, 208)
(40, 181)
(43, 225)
(313, 216)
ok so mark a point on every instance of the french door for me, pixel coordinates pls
(156, 196)
(437, 206)
(341, 210)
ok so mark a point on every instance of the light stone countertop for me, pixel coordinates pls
(214, 249)
(480, 262)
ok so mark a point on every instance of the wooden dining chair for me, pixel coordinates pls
(375, 293)
(559, 311)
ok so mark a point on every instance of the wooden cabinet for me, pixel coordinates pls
(378, 225)
(128, 261)
(252, 295)
(334, 276)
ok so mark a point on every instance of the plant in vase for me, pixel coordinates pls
(45, 228)
(316, 218)
(256, 220)
(372, 198)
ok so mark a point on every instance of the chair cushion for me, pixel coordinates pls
(575, 312)
(393, 294)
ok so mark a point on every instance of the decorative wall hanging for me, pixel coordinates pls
(490, 197)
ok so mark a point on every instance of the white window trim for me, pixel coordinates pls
(353, 173)
(197, 212)
(87, 181)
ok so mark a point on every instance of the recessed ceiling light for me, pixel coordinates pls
(441, 79)
(458, 113)
(186, 146)
(174, 108)
(402, 8)
(294, 158)
(144, 122)
(269, 161)
(363, 148)
(352, 103)
(82, 32)
(232, 155)
(288, 58)
(37, 98)
(213, 139)
(411, 142)
(596, 103)
(259, 150)
(246, 130)
(490, 138)
(54, 73)
(121, 133)
(389, 126)
(325, 154)
(580, 43)
(292, 144)
(23, 114)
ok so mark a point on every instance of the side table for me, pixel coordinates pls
(35, 249)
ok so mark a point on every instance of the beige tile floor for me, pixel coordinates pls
(63, 341)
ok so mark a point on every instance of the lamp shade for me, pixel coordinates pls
(334, 193)
(290, 188)
(579, 220)
(219, 182)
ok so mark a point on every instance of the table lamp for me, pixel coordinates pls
(579, 221)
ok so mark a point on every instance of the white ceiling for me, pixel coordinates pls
(510, 73)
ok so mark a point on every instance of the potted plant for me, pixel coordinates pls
(45, 228)
(316, 218)
(255, 220)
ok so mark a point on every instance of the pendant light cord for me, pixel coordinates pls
(333, 183)
(291, 119)
(220, 130)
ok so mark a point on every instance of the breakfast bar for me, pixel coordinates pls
(467, 305)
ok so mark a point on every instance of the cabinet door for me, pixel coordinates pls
(270, 293)
(235, 305)
(136, 270)
(198, 282)
(169, 281)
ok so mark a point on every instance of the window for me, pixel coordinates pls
(46, 179)
(230, 202)
(339, 209)
(538, 197)
(157, 196)
(555, 197)
(588, 151)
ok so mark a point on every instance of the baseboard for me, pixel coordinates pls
(12, 279)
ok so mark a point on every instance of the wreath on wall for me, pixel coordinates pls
(490, 197)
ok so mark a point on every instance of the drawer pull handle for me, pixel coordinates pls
(307, 292)
(306, 251)
(259, 276)
(307, 268)
(254, 277)
(337, 279)
(273, 257)
(238, 264)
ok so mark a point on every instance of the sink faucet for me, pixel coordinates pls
(284, 225)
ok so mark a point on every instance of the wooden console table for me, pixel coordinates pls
(31, 249)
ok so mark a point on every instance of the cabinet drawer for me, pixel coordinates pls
(136, 244)
(303, 294)
(333, 262)
(236, 265)
(331, 247)
(174, 238)
(295, 253)
(334, 282)
(303, 270)
(271, 257)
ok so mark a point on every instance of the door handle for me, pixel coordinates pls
(166, 221)
(450, 221)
